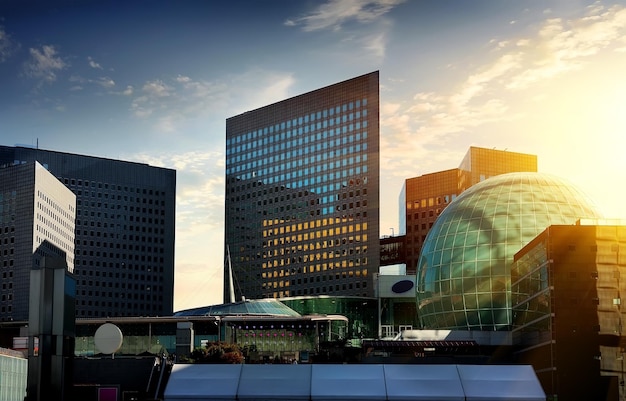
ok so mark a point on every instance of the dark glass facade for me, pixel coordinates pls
(124, 231)
(302, 194)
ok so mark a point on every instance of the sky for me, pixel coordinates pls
(154, 82)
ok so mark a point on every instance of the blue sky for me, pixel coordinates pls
(154, 81)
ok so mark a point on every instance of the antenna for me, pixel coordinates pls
(230, 276)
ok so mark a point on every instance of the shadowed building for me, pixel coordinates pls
(37, 216)
(302, 194)
(124, 264)
(566, 286)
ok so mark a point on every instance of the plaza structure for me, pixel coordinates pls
(37, 217)
(423, 198)
(302, 194)
(463, 276)
(123, 259)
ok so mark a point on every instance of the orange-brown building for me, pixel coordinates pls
(426, 196)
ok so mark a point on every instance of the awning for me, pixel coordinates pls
(423, 382)
(377, 382)
(203, 382)
(500, 382)
(276, 382)
(348, 382)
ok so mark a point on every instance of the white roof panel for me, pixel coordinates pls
(203, 382)
(423, 382)
(348, 382)
(275, 382)
(500, 382)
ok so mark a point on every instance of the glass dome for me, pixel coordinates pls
(463, 273)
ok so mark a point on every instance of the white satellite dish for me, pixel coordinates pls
(108, 338)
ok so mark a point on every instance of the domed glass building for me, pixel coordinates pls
(463, 273)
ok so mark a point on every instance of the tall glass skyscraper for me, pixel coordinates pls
(302, 194)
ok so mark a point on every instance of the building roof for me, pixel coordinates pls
(256, 307)
(353, 382)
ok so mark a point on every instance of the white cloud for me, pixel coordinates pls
(93, 64)
(7, 46)
(157, 89)
(436, 120)
(105, 82)
(173, 103)
(334, 13)
(44, 63)
(199, 219)
(563, 46)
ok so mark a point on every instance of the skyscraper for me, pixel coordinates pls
(423, 198)
(124, 248)
(37, 215)
(302, 194)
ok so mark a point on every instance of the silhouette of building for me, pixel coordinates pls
(124, 263)
(302, 194)
(566, 290)
(37, 215)
(423, 198)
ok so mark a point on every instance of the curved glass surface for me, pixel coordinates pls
(463, 273)
(266, 306)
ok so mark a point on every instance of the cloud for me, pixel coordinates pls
(563, 46)
(335, 13)
(200, 185)
(488, 92)
(44, 63)
(157, 88)
(93, 64)
(105, 82)
(180, 99)
(7, 46)
(199, 222)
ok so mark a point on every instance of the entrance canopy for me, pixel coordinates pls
(377, 382)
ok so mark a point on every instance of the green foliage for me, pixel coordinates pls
(218, 352)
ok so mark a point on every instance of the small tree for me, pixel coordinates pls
(218, 352)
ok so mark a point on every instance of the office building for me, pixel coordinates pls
(463, 275)
(423, 198)
(124, 248)
(302, 194)
(567, 315)
(37, 215)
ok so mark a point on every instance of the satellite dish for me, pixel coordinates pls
(108, 338)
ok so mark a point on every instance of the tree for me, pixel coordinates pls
(218, 352)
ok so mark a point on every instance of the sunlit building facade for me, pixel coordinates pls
(124, 231)
(37, 217)
(302, 194)
(463, 276)
(566, 286)
(423, 198)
